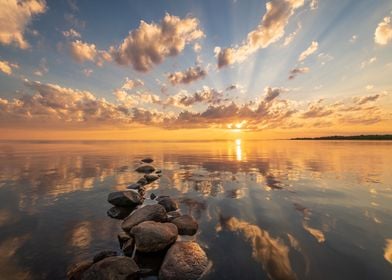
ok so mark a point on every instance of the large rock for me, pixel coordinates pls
(117, 212)
(151, 178)
(125, 199)
(75, 272)
(113, 268)
(104, 254)
(186, 225)
(154, 212)
(167, 202)
(145, 168)
(185, 260)
(152, 236)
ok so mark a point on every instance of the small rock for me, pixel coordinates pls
(172, 215)
(184, 260)
(142, 191)
(145, 168)
(134, 186)
(142, 181)
(151, 178)
(128, 247)
(123, 237)
(168, 203)
(125, 199)
(186, 225)
(75, 272)
(158, 171)
(117, 212)
(152, 236)
(152, 196)
(154, 212)
(147, 160)
(113, 268)
(104, 254)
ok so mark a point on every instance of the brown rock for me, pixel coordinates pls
(76, 271)
(167, 202)
(104, 254)
(186, 225)
(125, 199)
(154, 212)
(113, 268)
(145, 168)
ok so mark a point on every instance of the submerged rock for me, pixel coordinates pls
(145, 168)
(104, 254)
(125, 199)
(152, 236)
(117, 212)
(128, 247)
(186, 225)
(154, 212)
(167, 202)
(185, 260)
(147, 160)
(152, 196)
(151, 178)
(116, 268)
(75, 272)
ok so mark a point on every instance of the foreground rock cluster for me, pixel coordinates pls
(150, 239)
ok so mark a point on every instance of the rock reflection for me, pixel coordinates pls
(272, 253)
(8, 265)
(81, 235)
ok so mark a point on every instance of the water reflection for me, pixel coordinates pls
(295, 206)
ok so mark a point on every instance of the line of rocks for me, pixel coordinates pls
(149, 240)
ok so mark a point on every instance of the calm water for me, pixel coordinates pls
(266, 210)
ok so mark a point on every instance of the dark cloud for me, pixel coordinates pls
(297, 71)
(190, 75)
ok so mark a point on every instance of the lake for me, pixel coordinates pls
(266, 209)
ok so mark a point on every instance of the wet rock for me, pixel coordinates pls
(151, 178)
(142, 191)
(142, 181)
(186, 225)
(125, 199)
(158, 171)
(76, 271)
(152, 196)
(154, 212)
(117, 212)
(147, 160)
(128, 247)
(123, 237)
(153, 236)
(145, 168)
(104, 254)
(172, 215)
(113, 268)
(149, 263)
(185, 260)
(167, 202)
(134, 186)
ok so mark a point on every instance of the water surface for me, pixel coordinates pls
(266, 209)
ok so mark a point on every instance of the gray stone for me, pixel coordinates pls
(113, 268)
(185, 260)
(145, 168)
(154, 212)
(151, 178)
(117, 212)
(152, 236)
(167, 202)
(186, 225)
(75, 272)
(104, 254)
(147, 160)
(125, 199)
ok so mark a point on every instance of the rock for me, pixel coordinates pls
(142, 181)
(185, 260)
(151, 178)
(154, 212)
(153, 236)
(128, 247)
(186, 225)
(75, 272)
(147, 160)
(149, 263)
(113, 268)
(142, 191)
(104, 254)
(125, 199)
(123, 237)
(172, 215)
(117, 212)
(152, 196)
(168, 203)
(158, 171)
(145, 168)
(134, 186)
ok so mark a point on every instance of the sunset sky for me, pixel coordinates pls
(184, 69)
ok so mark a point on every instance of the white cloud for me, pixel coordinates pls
(81, 52)
(7, 67)
(87, 72)
(42, 68)
(313, 4)
(289, 38)
(310, 50)
(15, 16)
(368, 62)
(383, 33)
(353, 39)
(71, 33)
(131, 84)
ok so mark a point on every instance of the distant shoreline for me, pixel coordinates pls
(353, 137)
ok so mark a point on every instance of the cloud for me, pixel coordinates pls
(296, 71)
(15, 16)
(368, 62)
(289, 38)
(353, 39)
(81, 52)
(133, 99)
(151, 43)
(317, 110)
(270, 29)
(313, 4)
(71, 33)
(383, 33)
(188, 76)
(197, 47)
(42, 68)
(184, 99)
(131, 84)
(310, 50)
(87, 72)
(366, 99)
(7, 67)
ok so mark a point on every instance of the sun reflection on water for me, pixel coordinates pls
(238, 149)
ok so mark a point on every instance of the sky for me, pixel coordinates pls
(188, 70)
